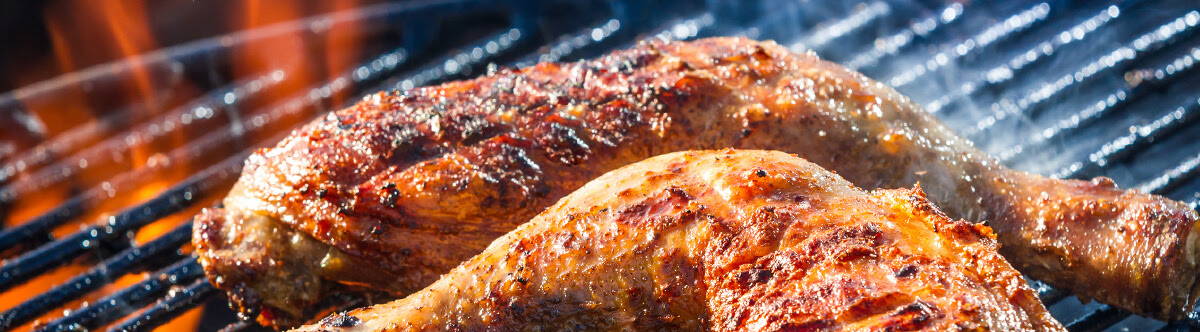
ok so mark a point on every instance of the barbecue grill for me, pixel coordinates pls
(1055, 87)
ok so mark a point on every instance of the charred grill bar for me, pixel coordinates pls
(1056, 87)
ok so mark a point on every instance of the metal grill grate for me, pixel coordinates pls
(1068, 89)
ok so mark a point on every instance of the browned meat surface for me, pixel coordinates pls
(389, 194)
(726, 241)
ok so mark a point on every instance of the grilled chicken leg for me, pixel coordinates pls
(409, 184)
(725, 240)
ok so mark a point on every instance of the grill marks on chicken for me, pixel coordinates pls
(412, 183)
(725, 241)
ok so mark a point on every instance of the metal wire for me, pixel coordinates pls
(129, 299)
(97, 277)
(1098, 319)
(39, 228)
(175, 304)
(114, 228)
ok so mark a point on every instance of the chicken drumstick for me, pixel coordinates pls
(407, 185)
(725, 240)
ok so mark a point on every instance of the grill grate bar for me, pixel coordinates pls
(572, 43)
(1048, 294)
(1105, 105)
(1138, 138)
(171, 64)
(843, 26)
(129, 299)
(369, 71)
(173, 200)
(1174, 176)
(682, 29)
(1098, 319)
(1192, 323)
(790, 18)
(73, 207)
(187, 116)
(461, 62)
(36, 232)
(175, 304)
(166, 68)
(1006, 28)
(97, 277)
(40, 227)
(1008, 70)
(1147, 43)
(891, 45)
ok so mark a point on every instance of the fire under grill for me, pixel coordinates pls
(1057, 87)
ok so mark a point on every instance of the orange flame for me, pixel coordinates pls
(126, 22)
(77, 43)
(285, 52)
(86, 33)
(342, 45)
(123, 32)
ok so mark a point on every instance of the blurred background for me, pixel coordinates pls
(50, 38)
(120, 119)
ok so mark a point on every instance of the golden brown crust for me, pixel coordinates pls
(415, 182)
(725, 241)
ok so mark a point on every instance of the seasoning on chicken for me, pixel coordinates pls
(391, 193)
(725, 241)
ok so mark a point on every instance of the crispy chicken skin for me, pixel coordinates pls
(390, 193)
(729, 240)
